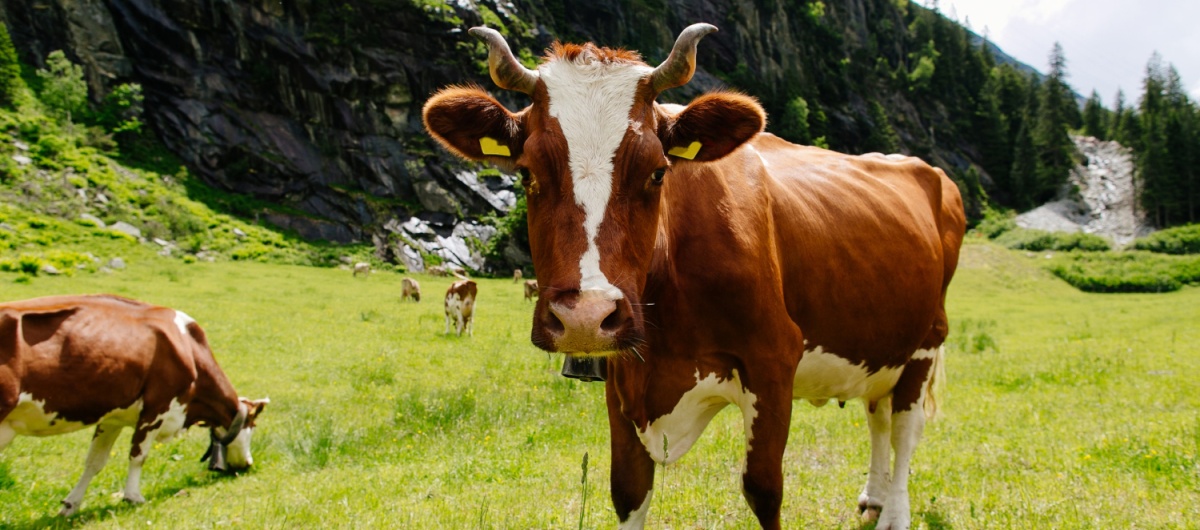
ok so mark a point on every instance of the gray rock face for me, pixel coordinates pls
(122, 226)
(1106, 203)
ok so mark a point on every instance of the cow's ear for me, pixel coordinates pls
(473, 125)
(712, 126)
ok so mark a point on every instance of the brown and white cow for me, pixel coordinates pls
(410, 289)
(460, 306)
(517, 275)
(712, 263)
(531, 289)
(70, 362)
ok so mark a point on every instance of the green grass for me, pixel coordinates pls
(1056, 400)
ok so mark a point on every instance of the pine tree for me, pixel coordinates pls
(1055, 150)
(10, 69)
(989, 131)
(1094, 117)
(883, 137)
(1023, 175)
(1153, 159)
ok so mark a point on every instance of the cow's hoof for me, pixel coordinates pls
(869, 514)
(135, 499)
(68, 509)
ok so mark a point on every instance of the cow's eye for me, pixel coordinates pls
(656, 178)
(527, 181)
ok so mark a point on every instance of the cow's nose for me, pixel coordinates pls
(586, 321)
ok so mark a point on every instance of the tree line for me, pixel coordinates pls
(1012, 124)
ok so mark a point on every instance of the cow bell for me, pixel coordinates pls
(583, 368)
(215, 454)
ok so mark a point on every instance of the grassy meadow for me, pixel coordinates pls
(1062, 410)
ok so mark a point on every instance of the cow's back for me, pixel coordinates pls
(858, 248)
(123, 350)
(867, 247)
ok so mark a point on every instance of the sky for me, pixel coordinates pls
(1107, 43)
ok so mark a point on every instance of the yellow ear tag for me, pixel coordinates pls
(490, 146)
(688, 153)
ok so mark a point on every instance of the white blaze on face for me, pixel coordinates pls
(591, 101)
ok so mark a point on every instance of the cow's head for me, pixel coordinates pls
(230, 446)
(594, 152)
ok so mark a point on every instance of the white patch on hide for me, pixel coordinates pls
(591, 101)
(822, 376)
(30, 418)
(182, 320)
(679, 429)
(637, 518)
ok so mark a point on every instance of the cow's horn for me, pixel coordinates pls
(677, 70)
(507, 72)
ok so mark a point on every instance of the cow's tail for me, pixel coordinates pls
(934, 383)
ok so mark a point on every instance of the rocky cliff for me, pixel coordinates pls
(315, 105)
(1100, 198)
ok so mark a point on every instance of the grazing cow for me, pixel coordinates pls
(436, 270)
(517, 275)
(460, 306)
(70, 362)
(714, 264)
(409, 288)
(361, 268)
(531, 289)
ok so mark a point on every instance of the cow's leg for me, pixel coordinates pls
(102, 442)
(766, 421)
(908, 422)
(879, 479)
(447, 322)
(631, 476)
(470, 328)
(154, 425)
(141, 443)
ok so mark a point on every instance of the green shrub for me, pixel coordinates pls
(1178, 240)
(1039, 240)
(1126, 272)
(995, 223)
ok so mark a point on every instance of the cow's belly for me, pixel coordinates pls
(822, 376)
(30, 418)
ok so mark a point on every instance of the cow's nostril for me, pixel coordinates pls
(553, 323)
(612, 321)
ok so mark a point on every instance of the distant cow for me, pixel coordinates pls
(531, 289)
(70, 362)
(363, 268)
(409, 288)
(436, 270)
(460, 306)
(517, 275)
